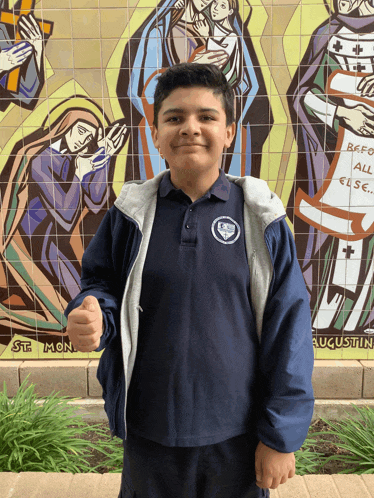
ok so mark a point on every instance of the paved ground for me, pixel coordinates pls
(60, 485)
(57, 485)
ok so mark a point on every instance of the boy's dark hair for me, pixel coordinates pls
(189, 74)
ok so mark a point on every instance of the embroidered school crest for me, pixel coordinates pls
(225, 230)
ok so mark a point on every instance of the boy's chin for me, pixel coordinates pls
(192, 166)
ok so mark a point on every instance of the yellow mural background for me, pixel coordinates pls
(84, 58)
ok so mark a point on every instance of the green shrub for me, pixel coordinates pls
(39, 438)
(308, 460)
(36, 438)
(357, 436)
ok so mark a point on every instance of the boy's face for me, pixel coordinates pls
(182, 121)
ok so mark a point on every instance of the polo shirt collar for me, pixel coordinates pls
(220, 188)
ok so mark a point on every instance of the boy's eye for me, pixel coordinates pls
(209, 117)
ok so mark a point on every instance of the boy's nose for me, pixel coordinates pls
(190, 126)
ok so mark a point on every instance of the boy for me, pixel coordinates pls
(192, 286)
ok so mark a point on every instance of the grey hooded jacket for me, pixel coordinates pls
(112, 267)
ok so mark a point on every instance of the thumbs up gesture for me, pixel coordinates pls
(85, 325)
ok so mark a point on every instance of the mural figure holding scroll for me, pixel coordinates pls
(331, 203)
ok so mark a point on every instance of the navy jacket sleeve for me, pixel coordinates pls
(105, 266)
(286, 352)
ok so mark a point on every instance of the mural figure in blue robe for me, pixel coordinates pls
(214, 35)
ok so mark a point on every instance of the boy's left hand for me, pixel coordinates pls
(272, 467)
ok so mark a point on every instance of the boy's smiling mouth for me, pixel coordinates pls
(192, 145)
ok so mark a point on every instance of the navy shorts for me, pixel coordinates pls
(222, 470)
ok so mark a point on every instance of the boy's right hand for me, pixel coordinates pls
(85, 325)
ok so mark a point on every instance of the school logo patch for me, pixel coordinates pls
(225, 230)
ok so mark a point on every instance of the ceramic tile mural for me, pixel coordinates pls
(77, 79)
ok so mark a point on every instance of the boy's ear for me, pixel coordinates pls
(155, 136)
(230, 133)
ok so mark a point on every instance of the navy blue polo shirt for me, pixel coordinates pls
(195, 369)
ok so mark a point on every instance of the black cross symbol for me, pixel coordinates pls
(338, 46)
(359, 67)
(357, 49)
(349, 251)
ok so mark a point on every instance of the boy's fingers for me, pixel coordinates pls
(87, 348)
(259, 474)
(267, 482)
(84, 317)
(83, 321)
(83, 340)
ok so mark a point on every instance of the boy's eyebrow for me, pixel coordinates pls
(201, 109)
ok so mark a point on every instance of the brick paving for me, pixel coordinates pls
(61, 485)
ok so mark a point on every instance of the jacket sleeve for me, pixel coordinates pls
(286, 351)
(104, 271)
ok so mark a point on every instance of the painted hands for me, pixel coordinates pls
(359, 119)
(30, 31)
(108, 145)
(366, 86)
(217, 57)
(272, 467)
(15, 56)
(203, 28)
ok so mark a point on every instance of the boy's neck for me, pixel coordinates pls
(192, 183)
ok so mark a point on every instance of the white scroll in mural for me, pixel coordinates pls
(351, 188)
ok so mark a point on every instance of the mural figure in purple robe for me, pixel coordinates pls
(54, 193)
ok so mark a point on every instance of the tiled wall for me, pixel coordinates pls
(302, 76)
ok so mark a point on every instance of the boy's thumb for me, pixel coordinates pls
(89, 303)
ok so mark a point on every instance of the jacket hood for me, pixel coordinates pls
(257, 195)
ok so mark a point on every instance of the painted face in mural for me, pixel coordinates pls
(79, 136)
(182, 122)
(201, 4)
(347, 6)
(220, 10)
